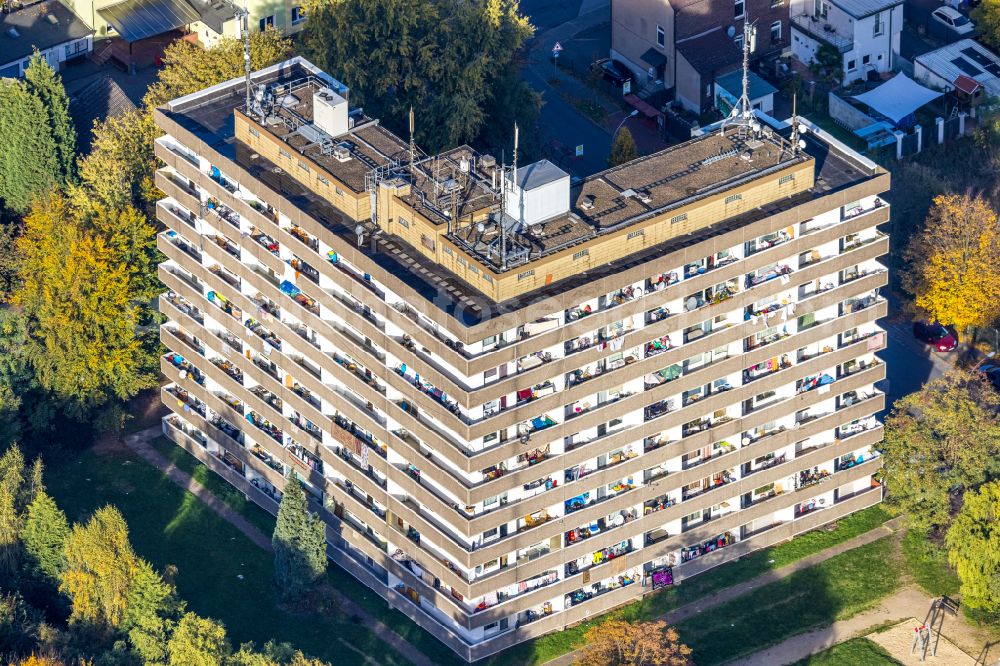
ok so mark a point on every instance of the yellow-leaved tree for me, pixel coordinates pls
(100, 568)
(954, 263)
(621, 643)
(79, 294)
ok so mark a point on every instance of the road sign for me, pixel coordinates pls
(579, 150)
(558, 47)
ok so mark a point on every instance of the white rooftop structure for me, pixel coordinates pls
(939, 68)
(860, 9)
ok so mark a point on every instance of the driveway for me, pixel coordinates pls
(910, 363)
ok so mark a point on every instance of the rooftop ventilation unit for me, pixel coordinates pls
(587, 202)
(330, 112)
(643, 196)
(342, 152)
(53, 19)
(487, 161)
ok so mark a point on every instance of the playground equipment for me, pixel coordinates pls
(928, 634)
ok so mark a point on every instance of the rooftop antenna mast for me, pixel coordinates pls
(742, 113)
(796, 127)
(413, 147)
(244, 15)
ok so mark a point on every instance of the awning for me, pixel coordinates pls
(139, 19)
(654, 57)
(643, 107)
(898, 97)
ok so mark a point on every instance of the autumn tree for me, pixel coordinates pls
(12, 505)
(100, 569)
(198, 641)
(189, 68)
(987, 18)
(120, 168)
(954, 263)
(974, 547)
(939, 442)
(299, 543)
(44, 83)
(623, 149)
(44, 537)
(29, 162)
(621, 643)
(82, 344)
(152, 612)
(451, 60)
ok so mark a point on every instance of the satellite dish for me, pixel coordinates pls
(480, 227)
(802, 144)
(802, 128)
(731, 32)
(359, 230)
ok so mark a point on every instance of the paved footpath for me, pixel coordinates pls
(728, 594)
(139, 443)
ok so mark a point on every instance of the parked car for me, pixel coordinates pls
(954, 21)
(938, 336)
(612, 71)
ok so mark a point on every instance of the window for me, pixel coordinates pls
(254, 132)
(403, 223)
(298, 15)
(427, 242)
(786, 179)
(852, 65)
(738, 11)
(678, 218)
(636, 234)
(324, 180)
(776, 31)
(339, 191)
(266, 22)
(447, 250)
(303, 166)
(733, 198)
(866, 59)
(525, 274)
(283, 152)
(660, 37)
(581, 254)
(879, 29)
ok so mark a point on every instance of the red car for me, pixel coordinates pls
(942, 338)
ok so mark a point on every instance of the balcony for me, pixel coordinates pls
(820, 29)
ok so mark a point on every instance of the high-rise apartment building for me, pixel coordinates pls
(516, 400)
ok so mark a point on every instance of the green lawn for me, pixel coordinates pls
(855, 652)
(836, 589)
(220, 573)
(927, 563)
(757, 563)
(236, 500)
(339, 579)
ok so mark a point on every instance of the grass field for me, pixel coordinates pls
(836, 589)
(855, 652)
(220, 573)
(927, 564)
(721, 577)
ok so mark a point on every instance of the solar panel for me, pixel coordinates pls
(966, 66)
(993, 69)
(978, 57)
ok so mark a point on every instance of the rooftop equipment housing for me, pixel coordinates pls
(537, 192)
(330, 112)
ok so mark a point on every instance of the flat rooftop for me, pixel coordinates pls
(605, 202)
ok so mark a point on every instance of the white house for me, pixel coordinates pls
(49, 26)
(865, 33)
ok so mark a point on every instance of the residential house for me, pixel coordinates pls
(56, 32)
(681, 45)
(864, 34)
(209, 20)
